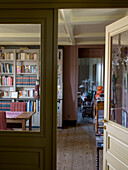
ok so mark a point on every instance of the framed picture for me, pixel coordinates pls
(14, 94)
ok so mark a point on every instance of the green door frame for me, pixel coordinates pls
(55, 5)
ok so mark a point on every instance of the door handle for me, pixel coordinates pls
(105, 120)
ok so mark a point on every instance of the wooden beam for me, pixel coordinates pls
(84, 35)
(63, 35)
(67, 16)
(64, 43)
(94, 19)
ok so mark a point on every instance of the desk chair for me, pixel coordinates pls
(17, 106)
(3, 124)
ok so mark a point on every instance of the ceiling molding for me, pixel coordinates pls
(93, 19)
(67, 17)
(90, 43)
(84, 35)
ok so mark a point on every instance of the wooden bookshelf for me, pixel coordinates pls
(6, 89)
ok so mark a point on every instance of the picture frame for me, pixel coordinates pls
(14, 94)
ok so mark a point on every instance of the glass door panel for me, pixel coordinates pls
(119, 79)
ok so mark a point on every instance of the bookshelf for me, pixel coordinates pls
(19, 70)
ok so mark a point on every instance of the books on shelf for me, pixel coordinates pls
(33, 106)
(6, 68)
(26, 93)
(6, 81)
(26, 69)
(5, 93)
(5, 105)
(7, 56)
(26, 80)
(27, 56)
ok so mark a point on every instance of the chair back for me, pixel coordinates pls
(18, 106)
(3, 124)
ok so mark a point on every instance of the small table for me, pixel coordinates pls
(99, 146)
(20, 117)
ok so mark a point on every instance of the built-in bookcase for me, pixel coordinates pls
(19, 70)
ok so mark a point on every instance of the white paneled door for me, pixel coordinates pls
(116, 97)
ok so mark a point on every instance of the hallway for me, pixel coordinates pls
(76, 149)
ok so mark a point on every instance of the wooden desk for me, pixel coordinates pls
(99, 146)
(21, 118)
(99, 106)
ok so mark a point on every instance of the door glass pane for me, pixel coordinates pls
(119, 79)
(20, 77)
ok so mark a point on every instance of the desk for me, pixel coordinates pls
(99, 146)
(20, 117)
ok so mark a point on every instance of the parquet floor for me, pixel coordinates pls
(76, 149)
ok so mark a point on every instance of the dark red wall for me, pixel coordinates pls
(70, 82)
(70, 70)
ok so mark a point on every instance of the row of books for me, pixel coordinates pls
(7, 56)
(26, 93)
(5, 105)
(33, 106)
(6, 68)
(6, 81)
(26, 69)
(4, 93)
(27, 56)
(26, 80)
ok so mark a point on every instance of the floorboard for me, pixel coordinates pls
(76, 148)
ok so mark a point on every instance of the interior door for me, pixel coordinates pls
(25, 149)
(116, 93)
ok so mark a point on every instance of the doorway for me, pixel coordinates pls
(79, 31)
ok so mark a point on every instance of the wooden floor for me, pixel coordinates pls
(76, 149)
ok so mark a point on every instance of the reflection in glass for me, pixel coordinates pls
(119, 79)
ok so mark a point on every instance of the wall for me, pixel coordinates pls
(70, 83)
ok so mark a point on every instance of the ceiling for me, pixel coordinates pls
(75, 27)
(86, 26)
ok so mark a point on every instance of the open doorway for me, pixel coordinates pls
(82, 40)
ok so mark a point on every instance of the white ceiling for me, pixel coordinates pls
(75, 27)
(86, 26)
